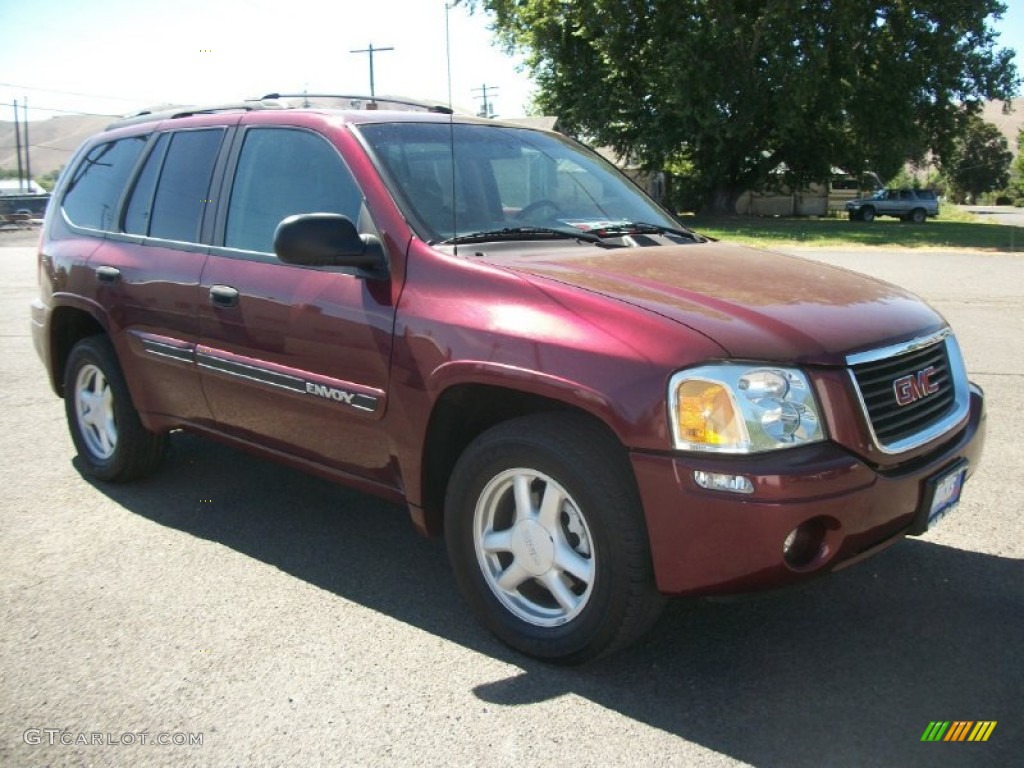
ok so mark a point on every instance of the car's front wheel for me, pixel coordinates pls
(867, 214)
(111, 441)
(547, 540)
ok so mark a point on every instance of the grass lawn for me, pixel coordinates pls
(952, 230)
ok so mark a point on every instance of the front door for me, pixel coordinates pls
(295, 358)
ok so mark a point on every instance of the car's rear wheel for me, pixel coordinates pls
(867, 214)
(917, 216)
(547, 540)
(111, 441)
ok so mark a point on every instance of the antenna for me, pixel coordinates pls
(488, 107)
(451, 123)
(371, 50)
(448, 52)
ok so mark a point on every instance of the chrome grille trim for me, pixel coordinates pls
(955, 417)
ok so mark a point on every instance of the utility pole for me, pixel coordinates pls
(17, 142)
(488, 108)
(28, 165)
(371, 50)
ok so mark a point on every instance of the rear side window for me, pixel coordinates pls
(92, 191)
(282, 171)
(140, 207)
(183, 189)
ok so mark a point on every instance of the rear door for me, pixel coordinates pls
(294, 358)
(140, 201)
(150, 271)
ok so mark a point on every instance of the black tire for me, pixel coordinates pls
(917, 216)
(867, 214)
(119, 449)
(599, 518)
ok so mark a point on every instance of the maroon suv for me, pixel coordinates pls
(489, 324)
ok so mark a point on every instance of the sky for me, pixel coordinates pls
(118, 56)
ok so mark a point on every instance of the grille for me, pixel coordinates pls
(891, 421)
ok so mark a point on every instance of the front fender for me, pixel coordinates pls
(573, 393)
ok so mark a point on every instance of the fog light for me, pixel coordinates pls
(805, 544)
(714, 481)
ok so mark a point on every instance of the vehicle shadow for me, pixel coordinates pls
(846, 671)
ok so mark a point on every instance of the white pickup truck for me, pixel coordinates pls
(914, 205)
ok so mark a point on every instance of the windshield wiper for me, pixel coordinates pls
(645, 228)
(520, 233)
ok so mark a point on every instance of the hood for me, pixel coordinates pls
(755, 304)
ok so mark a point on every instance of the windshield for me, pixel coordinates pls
(502, 179)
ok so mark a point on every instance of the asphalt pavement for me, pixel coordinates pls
(281, 620)
(1007, 215)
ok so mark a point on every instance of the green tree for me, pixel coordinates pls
(49, 180)
(742, 88)
(979, 162)
(1016, 186)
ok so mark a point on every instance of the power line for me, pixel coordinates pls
(71, 93)
(63, 111)
(44, 146)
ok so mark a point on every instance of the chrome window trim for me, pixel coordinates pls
(961, 391)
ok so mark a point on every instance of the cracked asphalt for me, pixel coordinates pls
(287, 621)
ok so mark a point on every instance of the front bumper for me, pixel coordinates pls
(713, 542)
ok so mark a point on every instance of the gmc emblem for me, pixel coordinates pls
(910, 388)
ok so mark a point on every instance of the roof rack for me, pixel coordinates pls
(272, 101)
(429, 106)
(148, 115)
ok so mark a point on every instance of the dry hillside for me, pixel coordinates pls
(1009, 123)
(52, 141)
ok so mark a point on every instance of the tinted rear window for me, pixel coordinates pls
(92, 192)
(184, 187)
(140, 206)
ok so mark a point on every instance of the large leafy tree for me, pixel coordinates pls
(738, 89)
(980, 161)
(1016, 187)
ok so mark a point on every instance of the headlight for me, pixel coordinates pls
(737, 408)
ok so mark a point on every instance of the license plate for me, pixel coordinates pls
(941, 494)
(947, 493)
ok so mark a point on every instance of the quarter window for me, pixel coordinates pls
(281, 172)
(92, 192)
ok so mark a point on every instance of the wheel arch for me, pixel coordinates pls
(68, 326)
(460, 414)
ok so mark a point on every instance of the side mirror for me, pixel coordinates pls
(328, 240)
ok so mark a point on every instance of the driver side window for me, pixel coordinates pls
(281, 172)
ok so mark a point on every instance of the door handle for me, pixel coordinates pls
(108, 274)
(223, 296)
